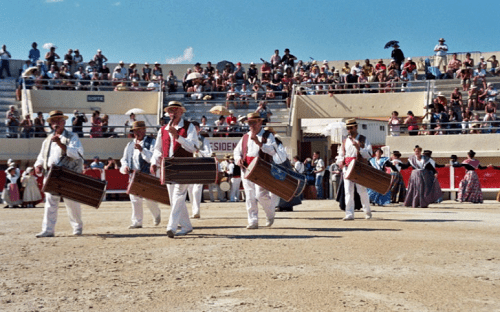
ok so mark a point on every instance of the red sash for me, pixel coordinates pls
(178, 150)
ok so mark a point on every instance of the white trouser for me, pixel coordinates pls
(235, 189)
(137, 211)
(195, 194)
(211, 191)
(178, 214)
(349, 197)
(255, 194)
(275, 199)
(50, 213)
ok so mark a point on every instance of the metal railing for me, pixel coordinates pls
(65, 84)
(447, 128)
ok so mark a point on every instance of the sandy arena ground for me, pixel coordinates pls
(444, 258)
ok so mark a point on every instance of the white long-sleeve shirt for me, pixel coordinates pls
(253, 149)
(131, 155)
(204, 148)
(74, 149)
(351, 151)
(188, 143)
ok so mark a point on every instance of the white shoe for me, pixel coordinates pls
(135, 226)
(45, 234)
(252, 226)
(183, 232)
(78, 232)
(368, 216)
(348, 219)
(269, 222)
(157, 221)
(195, 216)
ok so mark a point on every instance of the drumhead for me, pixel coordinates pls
(225, 186)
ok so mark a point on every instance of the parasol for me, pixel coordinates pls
(193, 76)
(28, 72)
(219, 110)
(391, 43)
(223, 64)
(135, 111)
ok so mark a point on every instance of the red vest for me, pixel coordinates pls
(178, 150)
(244, 149)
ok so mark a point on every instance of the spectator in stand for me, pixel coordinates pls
(475, 124)
(456, 98)
(275, 59)
(34, 54)
(288, 59)
(357, 68)
(391, 79)
(131, 69)
(96, 164)
(105, 72)
(239, 74)
(111, 164)
(469, 62)
(351, 80)
(68, 57)
(171, 81)
(454, 66)
(220, 126)
(276, 83)
(300, 66)
(380, 70)
(51, 56)
(4, 57)
(244, 94)
(363, 82)
(12, 120)
(146, 72)
(197, 91)
(96, 121)
(185, 82)
(91, 69)
(77, 122)
(326, 68)
(252, 74)
(270, 94)
(411, 69)
(472, 102)
(346, 70)
(369, 71)
(394, 124)
(265, 69)
(411, 123)
(26, 126)
(264, 112)
(210, 69)
(256, 89)
(482, 63)
(78, 58)
(104, 126)
(266, 79)
(441, 50)
(489, 117)
(494, 70)
(157, 71)
(231, 118)
(398, 56)
(133, 73)
(99, 59)
(465, 76)
(393, 66)
(480, 71)
(197, 68)
(40, 126)
(118, 77)
(204, 127)
(231, 97)
(491, 93)
(121, 68)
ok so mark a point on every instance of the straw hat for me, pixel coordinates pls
(253, 116)
(242, 118)
(270, 129)
(56, 114)
(175, 104)
(351, 122)
(138, 125)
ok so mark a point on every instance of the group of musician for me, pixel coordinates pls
(181, 138)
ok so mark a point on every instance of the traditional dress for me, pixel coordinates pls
(184, 146)
(31, 190)
(138, 160)
(195, 191)
(423, 188)
(398, 187)
(234, 172)
(10, 194)
(348, 153)
(375, 197)
(247, 150)
(52, 154)
(469, 189)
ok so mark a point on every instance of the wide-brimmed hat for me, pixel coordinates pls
(121, 62)
(253, 116)
(56, 114)
(270, 129)
(441, 40)
(396, 153)
(440, 94)
(351, 122)
(242, 118)
(175, 104)
(132, 65)
(138, 125)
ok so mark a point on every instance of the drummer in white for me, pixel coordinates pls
(137, 156)
(252, 145)
(354, 146)
(60, 148)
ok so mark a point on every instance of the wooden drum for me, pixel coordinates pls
(189, 170)
(367, 176)
(149, 187)
(281, 181)
(75, 186)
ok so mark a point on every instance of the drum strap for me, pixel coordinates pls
(362, 140)
(244, 148)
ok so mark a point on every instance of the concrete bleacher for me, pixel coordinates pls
(7, 98)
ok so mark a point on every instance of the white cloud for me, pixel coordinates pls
(53, 1)
(187, 56)
(117, 3)
(48, 45)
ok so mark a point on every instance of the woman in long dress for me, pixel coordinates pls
(398, 187)
(31, 191)
(423, 188)
(380, 163)
(10, 194)
(469, 189)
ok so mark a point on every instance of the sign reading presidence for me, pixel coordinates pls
(223, 145)
(95, 98)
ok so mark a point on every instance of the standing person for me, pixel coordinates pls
(423, 188)
(61, 145)
(412, 123)
(234, 172)
(398, 188)
(12, 117)
(10, 194)
(34, 54)
(176, 139)
(31, 193)
(398, 56)
(4, 57)
(195, 191)
(51, 56)
(40, 126)
(469, 189)
(380, 163)
(441, 50)
(319, 171)
(394, 123)
(354, 146)
(298, 165)
(77, 122)
(27, 127)
(137, 156)
(96, 121)
(254, 144)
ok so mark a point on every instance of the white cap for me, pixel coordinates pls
(409, 58)
(146, 63)
(121, 62)
(99, 50)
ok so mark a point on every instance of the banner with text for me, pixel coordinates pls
(223, 145)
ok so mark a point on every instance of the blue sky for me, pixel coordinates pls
(151, 30)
